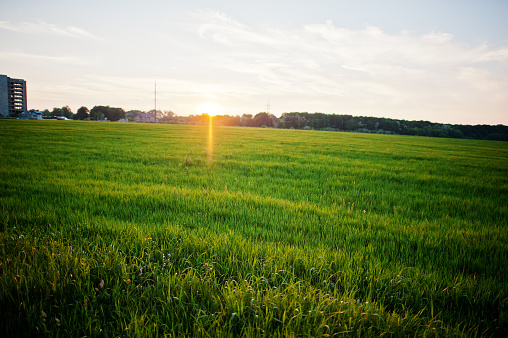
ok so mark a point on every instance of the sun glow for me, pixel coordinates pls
(210, 108)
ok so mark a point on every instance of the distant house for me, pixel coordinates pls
(144, 117)
(36, 115)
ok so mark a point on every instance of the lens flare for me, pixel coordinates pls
(210, 140)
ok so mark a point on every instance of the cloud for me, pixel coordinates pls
(371, 70)
(27, 57)
(44, 28)
(223, 29)
(314, 67)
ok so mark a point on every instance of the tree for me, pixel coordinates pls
(497, 137)
(82, 113)
(131, 114)
(352, 124)
(294, 120)
(67, 112)
(455, 133)
(319, 121)
(371, 123)
(336, 122)
(96, 113)
(226, 120)
(167, 116)
(246, 120)
(55, 112)
(389, 125)
(115, 114)
(110, 113)
(46, 114)
(262, 120)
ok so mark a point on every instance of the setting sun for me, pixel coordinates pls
(210, 108)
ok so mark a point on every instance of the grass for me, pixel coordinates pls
(146, 230)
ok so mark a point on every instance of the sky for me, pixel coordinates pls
(433, 60)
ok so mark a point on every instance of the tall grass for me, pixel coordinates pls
(126, 229)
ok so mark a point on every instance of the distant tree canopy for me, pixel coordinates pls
(378, 125)
(83, 113)
(226, 120)
(64, 111)
(167, 116)
(131, 114)
(303, 120)
(67, 112)
(263, 120)
(110, 113)
(55, 112)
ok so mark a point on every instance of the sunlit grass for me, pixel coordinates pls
(126, 229)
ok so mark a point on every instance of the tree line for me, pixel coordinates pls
(300, 120)
(99, 113)
(350, 123)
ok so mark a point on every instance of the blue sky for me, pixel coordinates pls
(442, 61)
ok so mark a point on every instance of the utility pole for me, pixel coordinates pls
(155, 95)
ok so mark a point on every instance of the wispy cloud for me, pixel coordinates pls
(210, 55)
(368, 68)
(42, 27)
(30, 57)
(223, 29)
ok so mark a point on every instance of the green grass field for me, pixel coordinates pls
(146, 230)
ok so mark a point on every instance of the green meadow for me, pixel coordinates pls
(110, 229)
